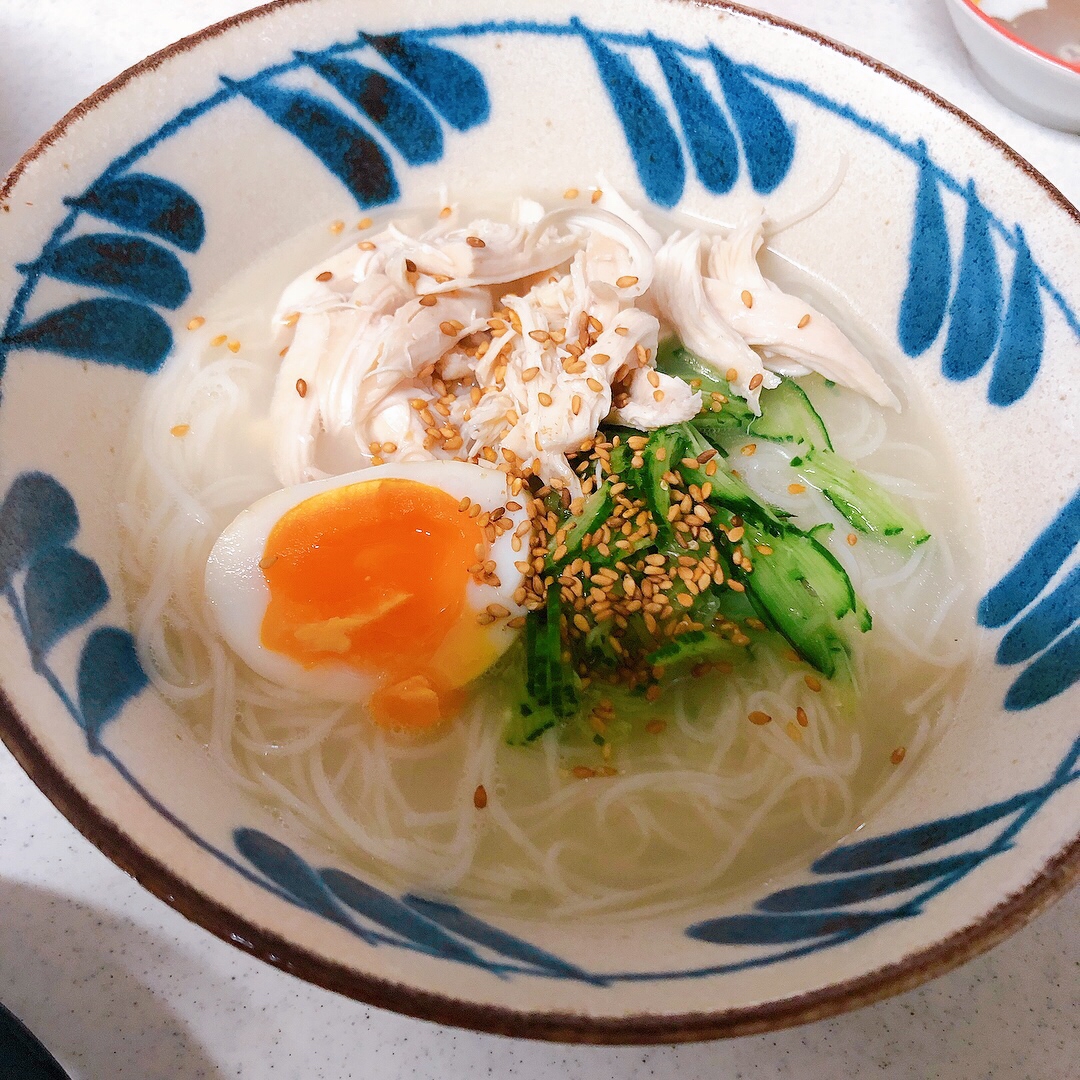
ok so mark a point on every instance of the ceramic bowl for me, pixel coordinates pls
(1036, 84)
(958, 259)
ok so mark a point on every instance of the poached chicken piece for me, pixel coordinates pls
(510, 342)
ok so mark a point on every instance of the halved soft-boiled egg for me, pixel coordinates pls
(382, 586)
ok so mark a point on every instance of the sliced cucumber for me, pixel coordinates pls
(528, 722)
(594, 513)
(727, 491)
(801, 590)
(786, 412)
(666, 447)
(552, 687)
(788, 416)
(865, 504)
(598, 647)
(694, 647)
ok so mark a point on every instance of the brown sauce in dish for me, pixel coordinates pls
(1053, 30)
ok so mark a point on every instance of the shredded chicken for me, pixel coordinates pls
(684, 303)
(513, 341)
(731, 315)
(792, 337)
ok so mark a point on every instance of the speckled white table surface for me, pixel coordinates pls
(120, 986)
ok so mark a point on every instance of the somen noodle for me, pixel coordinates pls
(695, 800)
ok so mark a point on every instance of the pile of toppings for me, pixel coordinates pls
(617, 571)
(668, 565)
(609, 374)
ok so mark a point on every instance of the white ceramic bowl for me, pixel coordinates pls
(1033, 83)
(957, 258)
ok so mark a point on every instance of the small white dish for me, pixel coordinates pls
(1036, 84)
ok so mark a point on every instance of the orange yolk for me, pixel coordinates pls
(373, 575)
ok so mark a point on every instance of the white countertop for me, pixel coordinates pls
(120, 986)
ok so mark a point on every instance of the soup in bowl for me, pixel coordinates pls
(620, 590)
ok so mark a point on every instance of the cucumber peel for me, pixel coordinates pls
(862, 502)
(694, 647)
(552, 687)
(788, 416)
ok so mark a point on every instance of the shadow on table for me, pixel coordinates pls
(69, 971)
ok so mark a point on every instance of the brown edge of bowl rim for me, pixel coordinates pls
(1052, 882)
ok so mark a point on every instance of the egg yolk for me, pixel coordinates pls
(374, 575)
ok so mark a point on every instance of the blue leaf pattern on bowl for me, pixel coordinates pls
(768, 142)
(61, 591)
(344, 147)
(975, 321)
(1052, 673)
(917, 840)
(834, 910)
(37, 514)
(396, 916)
(652, 141)
(926, 297)
(293, 876)
(540, 961)
(1033, 571)
(142, 203)
(398, 113)
(810, 917)
(832, 926)
(822, 895)
(1051, 616)
(1023, 335)
(109, 676)
(454, 86)
(455, 89)
(128, 266)
(709, 139)
(419, 924)
(975, 311)
(126, 330)
(1039, 626)
(109, 331)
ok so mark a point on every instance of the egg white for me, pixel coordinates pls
(238, 595)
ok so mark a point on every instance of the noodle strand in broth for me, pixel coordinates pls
(706, 805)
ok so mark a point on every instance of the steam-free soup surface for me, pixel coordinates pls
(723, 774)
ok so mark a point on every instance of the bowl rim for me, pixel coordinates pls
(1054, 879)
(1016, 39)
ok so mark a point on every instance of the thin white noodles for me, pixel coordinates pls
(711, 801)
(774, 228)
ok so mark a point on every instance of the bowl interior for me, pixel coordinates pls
(956, 262)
